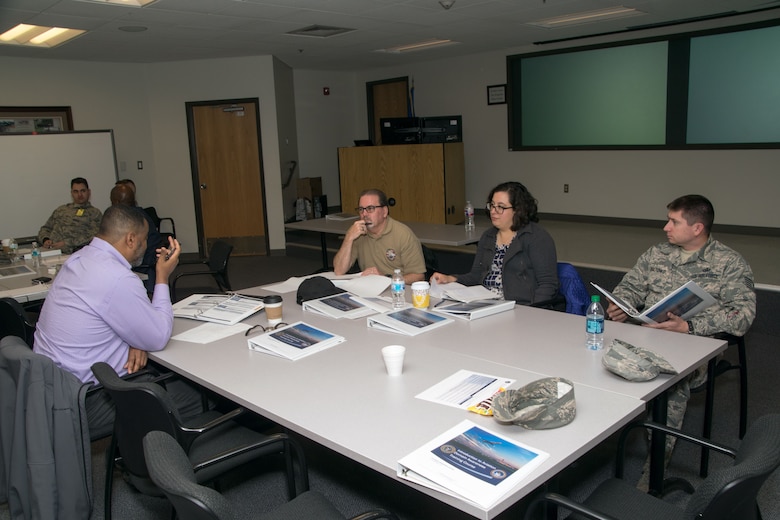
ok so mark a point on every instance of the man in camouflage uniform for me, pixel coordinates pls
(690, 254)
(72, 225)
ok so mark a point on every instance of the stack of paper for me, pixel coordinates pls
(217, 308)
(474, 310)
(343, 305)
(408, 321)
(294, 341)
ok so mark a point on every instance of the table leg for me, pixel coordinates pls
(658, 445)
(324, 244)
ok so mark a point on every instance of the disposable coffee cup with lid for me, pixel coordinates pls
(273, 308)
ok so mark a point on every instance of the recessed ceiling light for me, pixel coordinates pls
(587, 17)
(126, 3)
(419, 46)
(38, 35)
(133, 28)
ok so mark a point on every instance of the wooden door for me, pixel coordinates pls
(386, 98)
(227, 175)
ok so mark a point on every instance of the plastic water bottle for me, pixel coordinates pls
(397, 289)
(594, 324)
(36, 255)
(14, 250)
(468, 212)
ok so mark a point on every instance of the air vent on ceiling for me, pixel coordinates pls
(320, 31)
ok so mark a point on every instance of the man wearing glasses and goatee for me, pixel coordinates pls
(379, 243)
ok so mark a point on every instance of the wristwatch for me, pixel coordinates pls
(690, 327)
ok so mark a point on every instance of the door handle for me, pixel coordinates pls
(203, 186)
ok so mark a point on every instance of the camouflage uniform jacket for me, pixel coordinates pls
(76, 224)
(718, 269)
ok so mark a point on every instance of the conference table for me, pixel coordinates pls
(343, 399)
(426, 232)
(16, 279)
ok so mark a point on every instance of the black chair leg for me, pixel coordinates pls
(110, 461)
(743, 387)
(709, 403)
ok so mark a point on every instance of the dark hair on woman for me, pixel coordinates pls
(522, 202)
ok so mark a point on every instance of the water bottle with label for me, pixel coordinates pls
(14, 247)
(468, 213)
(594, 324)
(36, 256)
(397, 289)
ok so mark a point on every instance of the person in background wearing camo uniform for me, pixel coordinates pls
(690, 254)
(72, 225)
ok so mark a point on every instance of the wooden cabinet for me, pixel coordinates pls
(427, 181)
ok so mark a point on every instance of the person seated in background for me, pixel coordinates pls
(690, 253)
(97, 310)
(124, 193)
(379, 243)
(515, 258)
(129, 182)
(72, 225)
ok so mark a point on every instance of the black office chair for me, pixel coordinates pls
(171, 470)
(715, 368)
(217, 264)
(16, 321)
(152, 212)
(431, 261)
(728, 493)
(214, 442)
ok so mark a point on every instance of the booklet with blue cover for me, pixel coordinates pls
(409, 321)
(294, 341)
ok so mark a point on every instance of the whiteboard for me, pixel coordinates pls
(36, 170)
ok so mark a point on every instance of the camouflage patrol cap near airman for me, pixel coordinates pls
(540, 405)
(634, 363)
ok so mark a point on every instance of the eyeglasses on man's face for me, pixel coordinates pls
(368, 209)
(499, 209)
(265, 329)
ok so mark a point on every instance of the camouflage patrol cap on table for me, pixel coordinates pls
(540, 405)
(634, 363)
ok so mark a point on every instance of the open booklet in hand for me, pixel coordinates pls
(474, 310)
(472, 463)
(686, 301)
(218, 308)
(409, 321)
(294, 341)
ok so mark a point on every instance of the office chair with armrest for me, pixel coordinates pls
(728, 493)
(16, 321)
(214, 442)
(219, 256)
(715, 368)
(171, 471)
(152, 212)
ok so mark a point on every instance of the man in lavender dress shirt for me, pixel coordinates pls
(98, 309)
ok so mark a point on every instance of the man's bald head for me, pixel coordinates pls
(122, 194)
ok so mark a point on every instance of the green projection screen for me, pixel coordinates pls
(609, 96)
(734, 87)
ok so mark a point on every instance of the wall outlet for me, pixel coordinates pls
(566, 188)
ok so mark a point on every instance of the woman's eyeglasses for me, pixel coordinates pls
(499, 209)
(265, 329)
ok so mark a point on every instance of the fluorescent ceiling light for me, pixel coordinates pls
(126, 3)
(428, 44)
(587, 17)
(38, 35)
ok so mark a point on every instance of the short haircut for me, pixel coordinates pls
(125, 181)
(120, 219)
(378, 193)
(694, 208)
(79, 180)
(522, 201)
(122, 194)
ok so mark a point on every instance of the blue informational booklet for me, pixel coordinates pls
(409, 321)
(294, 341)
(472, 463)
(686, 301)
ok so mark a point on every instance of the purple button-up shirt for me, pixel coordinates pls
(96, 308)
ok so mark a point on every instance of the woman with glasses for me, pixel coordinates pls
(516, 257)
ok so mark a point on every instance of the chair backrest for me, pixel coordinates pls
(730, 492)
(14, 321)
(171, 471)
(573, 289)
(152, 212)
(431, 261)
(141, 407)
(219, 255)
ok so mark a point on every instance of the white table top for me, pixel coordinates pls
(21, 287)
(426, 232)
(343, 399)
